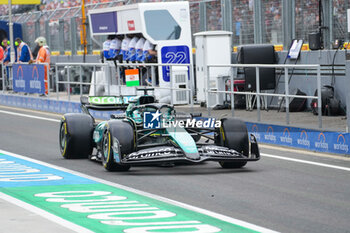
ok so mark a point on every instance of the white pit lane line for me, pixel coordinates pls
(306, 162)
(29, 116)
(263, 154)
(77, 228)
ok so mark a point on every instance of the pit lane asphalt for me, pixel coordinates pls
(281, 195)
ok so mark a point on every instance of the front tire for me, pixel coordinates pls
(123, 132)
(75, 136)
(234, 135)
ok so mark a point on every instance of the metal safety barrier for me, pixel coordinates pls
(258, 92)
(118, 66)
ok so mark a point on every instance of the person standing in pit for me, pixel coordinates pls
(24, 54)
(43, 57)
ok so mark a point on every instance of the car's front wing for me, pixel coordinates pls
(163, 154)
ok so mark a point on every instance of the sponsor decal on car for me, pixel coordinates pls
(164, 151)
(219, 151)
(110, 100)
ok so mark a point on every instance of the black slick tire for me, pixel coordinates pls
(75, 136)
(234, 135)
(124, 133)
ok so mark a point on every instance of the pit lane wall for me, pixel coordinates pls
(313, 140)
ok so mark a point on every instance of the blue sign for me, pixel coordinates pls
(322, 141)
(104, 22)
(174, 54)
(151, 120)
(29, 78)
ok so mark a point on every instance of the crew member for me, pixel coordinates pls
(24, 54)
(124, 47)
(150, 56)
(149, 53)
(7, 51)
(106, 46)
(114, 48)
(43, 57)
(131, 49)
(139, 49)
(7, 57)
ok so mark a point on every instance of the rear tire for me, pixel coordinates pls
(75, 136)
(124, 133)
(234, 135)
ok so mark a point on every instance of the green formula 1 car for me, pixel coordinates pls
(152, 133)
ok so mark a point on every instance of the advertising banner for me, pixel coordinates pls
(104, 22)
(314, 140)
(21, 2)
(29, 78)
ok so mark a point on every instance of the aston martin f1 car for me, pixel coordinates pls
(147, 132)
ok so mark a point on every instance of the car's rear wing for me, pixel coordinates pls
(105, 103)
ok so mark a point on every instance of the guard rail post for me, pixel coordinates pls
(208, 89)
(94, 72)
(48, 78)
(153, 77)
(10, 76)
(81, 80)
(257, 75)
(319, 102)
(232, 93)
(68, 78)
(109, 80)
(3, 78)
(286, 87)
(118, 80)
(189, 81)
(348, 112)
(140, 75)
(57, 87)
(171, 85)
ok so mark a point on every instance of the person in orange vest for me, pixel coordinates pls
(43, 57)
